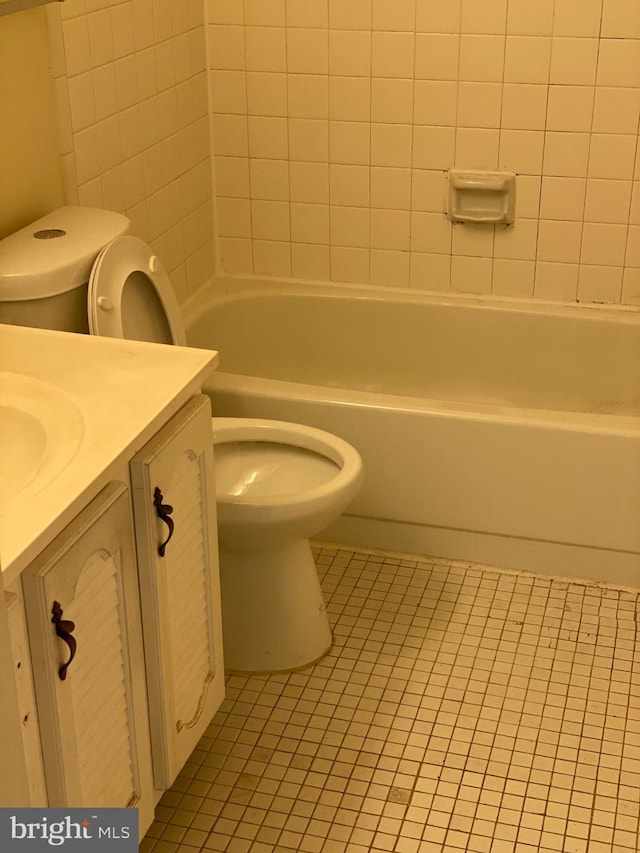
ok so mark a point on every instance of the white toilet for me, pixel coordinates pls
(277, 483)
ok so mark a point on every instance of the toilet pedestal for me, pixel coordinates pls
(274, 617)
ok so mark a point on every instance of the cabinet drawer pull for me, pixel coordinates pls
(163, 511)
(64, 630)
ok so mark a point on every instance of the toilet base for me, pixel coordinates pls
(273, 614)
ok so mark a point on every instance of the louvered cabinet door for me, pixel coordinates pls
(21, 657)
(82, 592)
(172, 476)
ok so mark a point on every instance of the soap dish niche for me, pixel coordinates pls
(482, 197)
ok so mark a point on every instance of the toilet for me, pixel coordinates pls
(277, 483)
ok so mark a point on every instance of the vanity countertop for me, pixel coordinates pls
(116, 395)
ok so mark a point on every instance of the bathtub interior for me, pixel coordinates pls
(549, 487)
(559, 358)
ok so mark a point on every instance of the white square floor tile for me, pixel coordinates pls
(460, 709)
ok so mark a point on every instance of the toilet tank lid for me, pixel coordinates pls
(56, 253)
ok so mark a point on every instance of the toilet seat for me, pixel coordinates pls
(264, 469)
(130, 295)
(341, 463)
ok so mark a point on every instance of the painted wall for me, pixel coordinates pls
(131, 88)
(335, 122)
(30, 169)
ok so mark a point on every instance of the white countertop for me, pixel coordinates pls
(121, 391)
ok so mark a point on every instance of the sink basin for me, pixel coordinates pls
(40, 432)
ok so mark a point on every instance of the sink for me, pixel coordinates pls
(41, 430)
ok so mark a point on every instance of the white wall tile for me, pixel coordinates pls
(308, 95)
(390, 188)
(350, 53)
(310, 181)
(513, 277)
(599, 284)
(350, 14)
(530, 19)
(603, 244)
(309, 140)
(350, 226)
(477, 148)
(392, 100)
(556, 281)
(566, 154)
(608, 201)
(570, 108)
(307, 13)
(349, 264)
(310, 223)
(563, 198)
(431, 233)
(433, 148)
(390, 268)
(435, 102)
(437, 56)
(484, 16)
(349, 185)
(265, 49)
(392, 54)
(612, 156)
(390, 229)
(577, 18)
(307, 51)
(261, 93)
(310, 262)
(619, 62)
(264, 12)
(574, 61)
(349, 98)
(482, 58)
(559, 241)
(272, 258)
(430, 272)
(471, 275)
(227, 47)
(391, 145)
(527, 59)
(393, 14)
(269, 179)
(524, 106)
(357, 108)
(620, 19)
(225, 11)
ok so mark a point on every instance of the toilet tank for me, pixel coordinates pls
(45, 267)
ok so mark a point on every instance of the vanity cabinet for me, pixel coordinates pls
(125, 627)
(179, 585)
(81, 601)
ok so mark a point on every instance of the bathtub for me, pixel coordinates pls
(503, 432)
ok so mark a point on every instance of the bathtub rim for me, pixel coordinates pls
(620, 425)
(226, 288)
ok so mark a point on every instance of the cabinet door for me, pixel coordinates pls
(21, 658)
(179, 584)
(93, 715)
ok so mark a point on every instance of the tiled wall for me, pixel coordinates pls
(335, 122)
(131, 85)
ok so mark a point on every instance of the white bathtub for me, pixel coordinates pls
(492, 431)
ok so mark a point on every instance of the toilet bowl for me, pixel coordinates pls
(277, 483)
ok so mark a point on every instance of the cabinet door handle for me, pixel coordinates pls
(64, 630)
(163, 511)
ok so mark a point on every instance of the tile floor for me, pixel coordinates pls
(460, 709)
